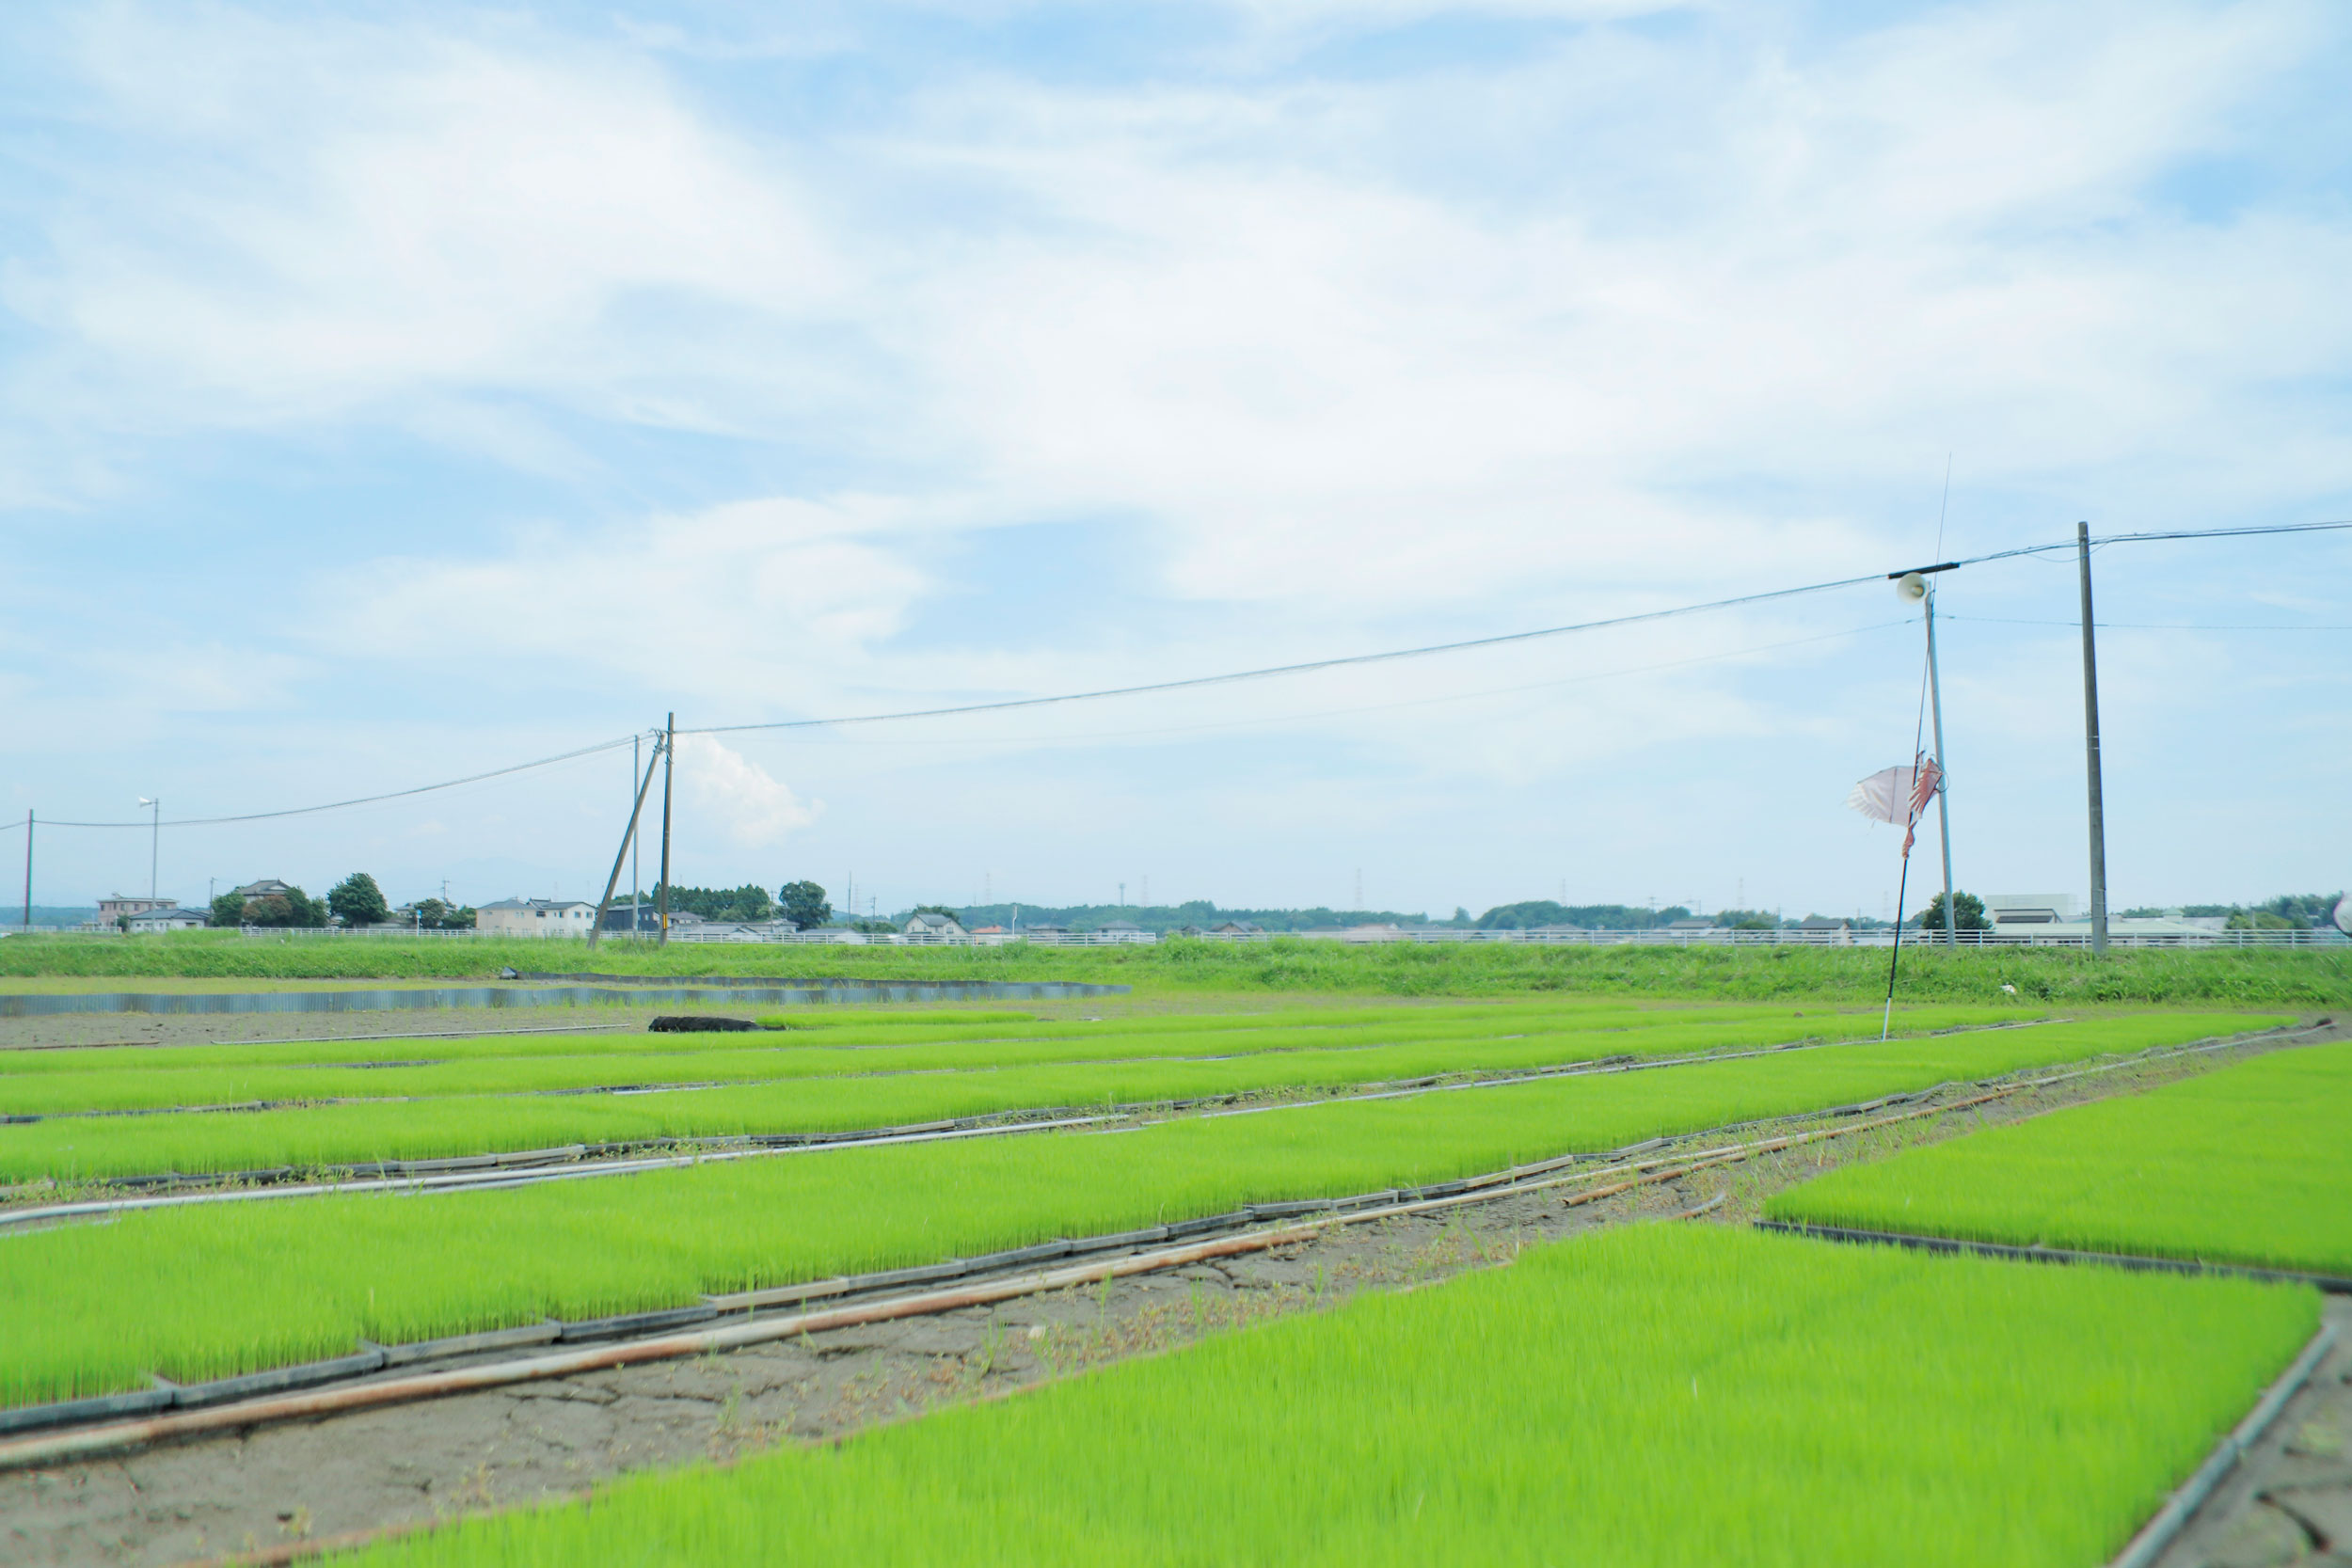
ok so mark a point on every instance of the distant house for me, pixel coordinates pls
(536, 917)
(167, 917)
(112, 911)
(2029, 909)
(268, 887)
(1044, 933)
(729, 930)
(1691, 923)
(1237, 928)
(930, 925)
(1123, 930)
(1837, 933)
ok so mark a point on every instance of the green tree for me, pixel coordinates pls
(294, 908)
(228, 910)
(1967, 913)
(357, 901)
(434, 915)
(804, 903)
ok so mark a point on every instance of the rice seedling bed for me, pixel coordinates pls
(2214, 978)
(56, 1083)
(205, 1291)
(2251, 1164)
(1655, 1395)
(324, 1136)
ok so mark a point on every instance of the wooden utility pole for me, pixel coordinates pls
(668, 758)
(2090, 752)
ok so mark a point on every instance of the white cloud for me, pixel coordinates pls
(330, 215)
(758, 605)
(756, 809)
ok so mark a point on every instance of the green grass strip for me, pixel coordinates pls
(1655, 1397)
(2251, 1164)
(208, 1290)
(324, 1136)
(114, 1084)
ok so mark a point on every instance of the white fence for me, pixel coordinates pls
(1717, 937)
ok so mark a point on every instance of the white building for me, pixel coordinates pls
(2028, 915)
(931, 927)
(111, 910)
(167, 917)
(536, 917)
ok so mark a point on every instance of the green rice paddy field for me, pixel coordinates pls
(48, 1082)
(859, 1077)
(1653, 1396)
(204, 1290)
(2248, 1165)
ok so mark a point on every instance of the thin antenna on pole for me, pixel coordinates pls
(669, 749)
(2091, 753)
(1886, 1025)
(1935, 686)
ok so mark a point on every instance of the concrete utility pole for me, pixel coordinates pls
(1943, 776)
(2091, 753)
(669, 769)
(155, 850)
(28, 868)
(636, 898)
(629, 846)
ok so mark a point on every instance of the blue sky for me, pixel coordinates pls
(403, 391)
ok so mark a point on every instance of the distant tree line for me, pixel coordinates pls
(803, 903)
(354, 901)
(2291, 911)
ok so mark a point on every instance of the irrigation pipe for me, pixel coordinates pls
(2173, 1517)
(504, 1170)
(1517, 1181)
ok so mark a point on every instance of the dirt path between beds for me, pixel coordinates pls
(408, 1464)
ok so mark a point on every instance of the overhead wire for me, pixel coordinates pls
(1410, 701)
(1268, 673)
(358, 801)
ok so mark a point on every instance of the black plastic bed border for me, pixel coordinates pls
(2135, 1262)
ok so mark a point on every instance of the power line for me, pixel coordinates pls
(1408, 702)
(1427, 650)
(2151, 625)
(1273, 671)
(362, 801)
(1268, 673)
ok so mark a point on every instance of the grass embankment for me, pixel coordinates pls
(814, 1091)
(2251, 1164)
(207, 1289)
(1667, 1396)
(2256, 976)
